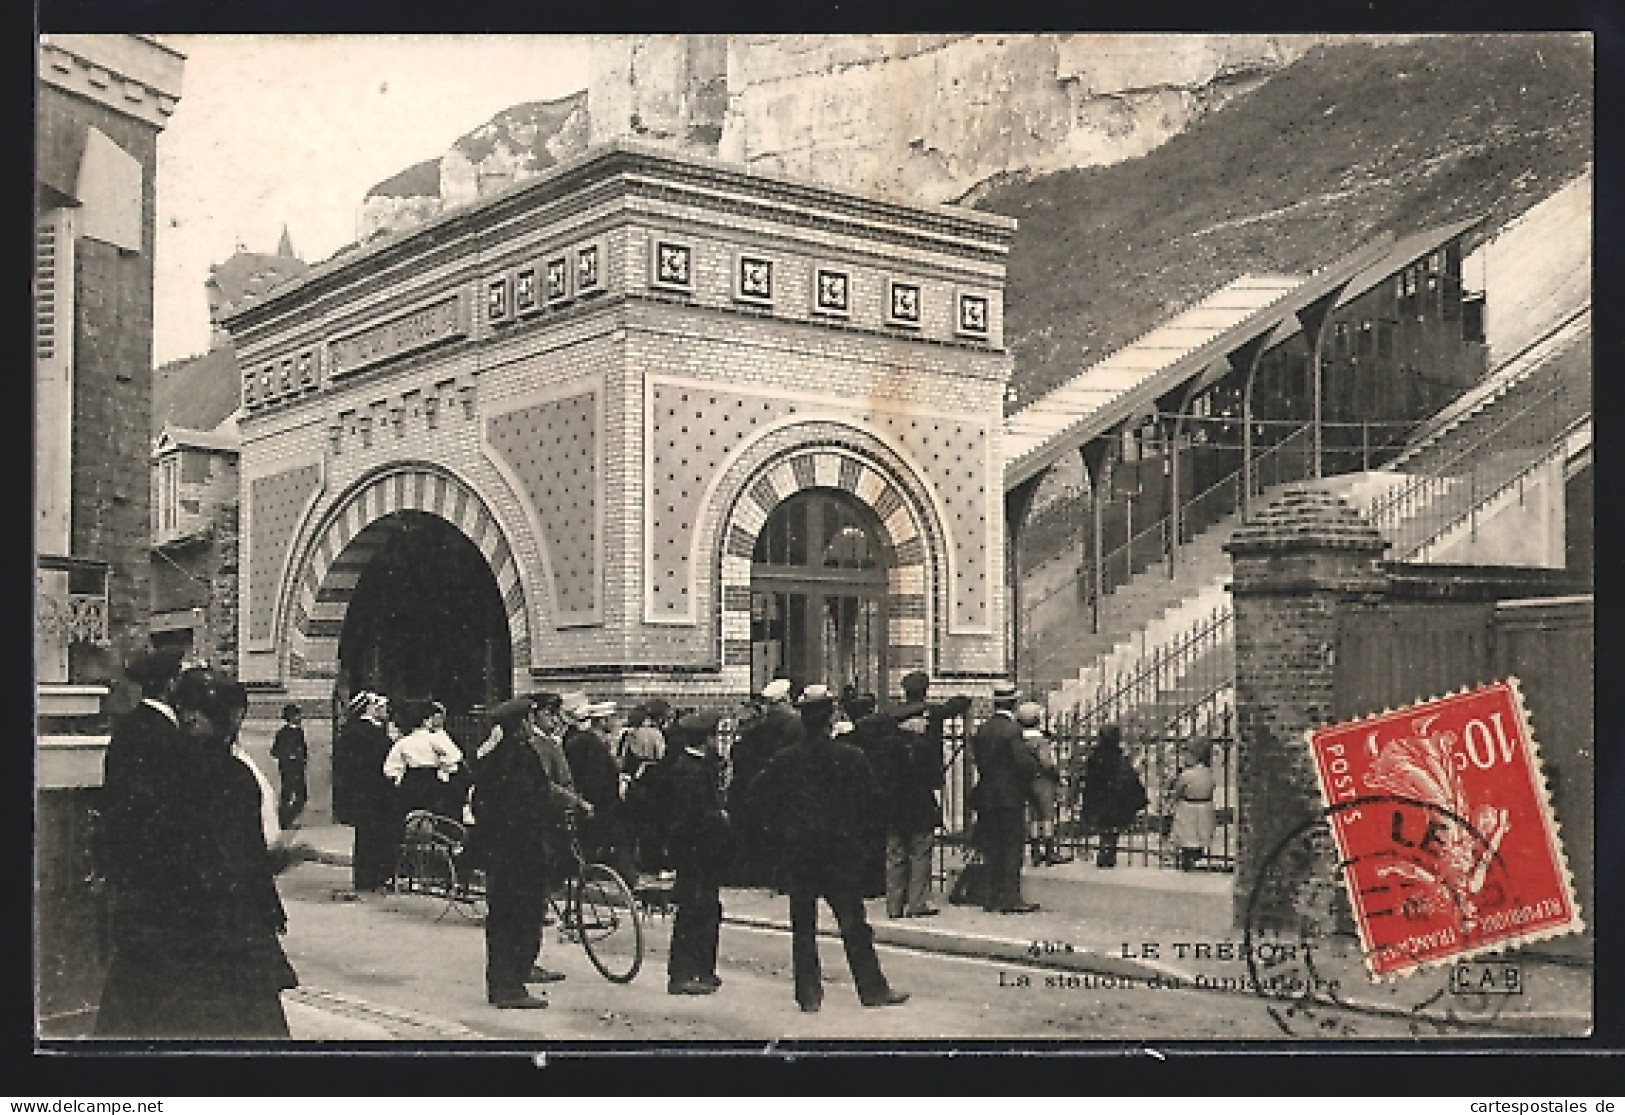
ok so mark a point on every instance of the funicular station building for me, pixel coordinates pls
(646, 424)
(652, 423)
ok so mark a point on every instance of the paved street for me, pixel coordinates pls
(376, 968)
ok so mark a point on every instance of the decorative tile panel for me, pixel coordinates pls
(693, 426)
(497, 309)
(753, 279)
(971, 315)
(903, 303)
(589, 267)
(671, 264)
(832, 291)
(526, 296)
(551, 449)
(276, 506)
(556, 281)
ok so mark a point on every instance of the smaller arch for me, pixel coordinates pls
(353, 530)
(840, 468)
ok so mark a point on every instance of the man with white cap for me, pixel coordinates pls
(598, 779)
(775, 729)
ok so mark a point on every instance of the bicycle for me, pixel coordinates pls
(433, 866)
(592, 906)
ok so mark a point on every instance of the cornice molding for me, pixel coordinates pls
(625, 169)
(65, 63)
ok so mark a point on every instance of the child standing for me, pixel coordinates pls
(292, 755)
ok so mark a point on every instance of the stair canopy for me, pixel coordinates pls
(1219, 335)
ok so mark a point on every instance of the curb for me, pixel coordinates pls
(982, 947)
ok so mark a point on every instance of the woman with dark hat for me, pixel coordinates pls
(201, 959)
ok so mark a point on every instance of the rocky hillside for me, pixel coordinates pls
(517, 143)
(1347, 143)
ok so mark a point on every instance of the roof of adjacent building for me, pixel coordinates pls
(248, 275)
(197, 393)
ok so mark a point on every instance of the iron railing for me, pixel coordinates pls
(1425, 506)
(1199, 659)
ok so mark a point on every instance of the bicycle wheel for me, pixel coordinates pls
(608, 924)
(426, 877)
(470, 893)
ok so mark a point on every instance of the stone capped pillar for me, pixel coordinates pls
(1294, 567)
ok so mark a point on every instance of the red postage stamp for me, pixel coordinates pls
(1445, 830)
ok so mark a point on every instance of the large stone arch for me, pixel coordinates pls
(828, 455)
(353, 531)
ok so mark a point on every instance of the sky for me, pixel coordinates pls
(293, 130)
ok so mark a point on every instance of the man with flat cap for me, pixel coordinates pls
(511, 814)
(1005, 768)
(697, 841)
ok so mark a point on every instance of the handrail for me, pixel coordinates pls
(1384, 512)
(1558, 448)
(1461, 406)
(1205, 632)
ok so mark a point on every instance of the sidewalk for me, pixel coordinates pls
(1090, 920)
(1147, 925)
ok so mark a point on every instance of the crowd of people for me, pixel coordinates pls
(824, 798)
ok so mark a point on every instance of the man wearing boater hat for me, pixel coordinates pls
(1005, 769)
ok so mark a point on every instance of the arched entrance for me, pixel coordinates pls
(818, 594)
(426, 617)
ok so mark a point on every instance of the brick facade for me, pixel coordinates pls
(587, 374)
(112, 382)
(1295, 565)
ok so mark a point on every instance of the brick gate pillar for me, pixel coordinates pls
(1294, 567)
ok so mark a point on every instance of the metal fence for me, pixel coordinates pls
(1158, 758)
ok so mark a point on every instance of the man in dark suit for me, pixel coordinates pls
(511, 812)
(1005, 769)
(136, 770)
(145, 826)
(822, 801)
(910, 774)
(697, 836)
(764, 737)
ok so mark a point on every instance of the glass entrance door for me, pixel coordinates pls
(818, 596)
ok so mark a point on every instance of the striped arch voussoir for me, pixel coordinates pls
(842, 470)
(353, 535)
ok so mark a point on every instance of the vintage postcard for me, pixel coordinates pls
(751, 538)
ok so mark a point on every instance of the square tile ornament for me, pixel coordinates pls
(674, 265)
(524, 290)
(972, 320)
(589, 273)
(557, 279)
(832, 291)
(1444, 829)
(496, 300)
(903, 304)
(754, 279)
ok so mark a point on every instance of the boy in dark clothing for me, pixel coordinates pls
(292, 755)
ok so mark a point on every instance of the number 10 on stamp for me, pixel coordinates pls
(1444, 830)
